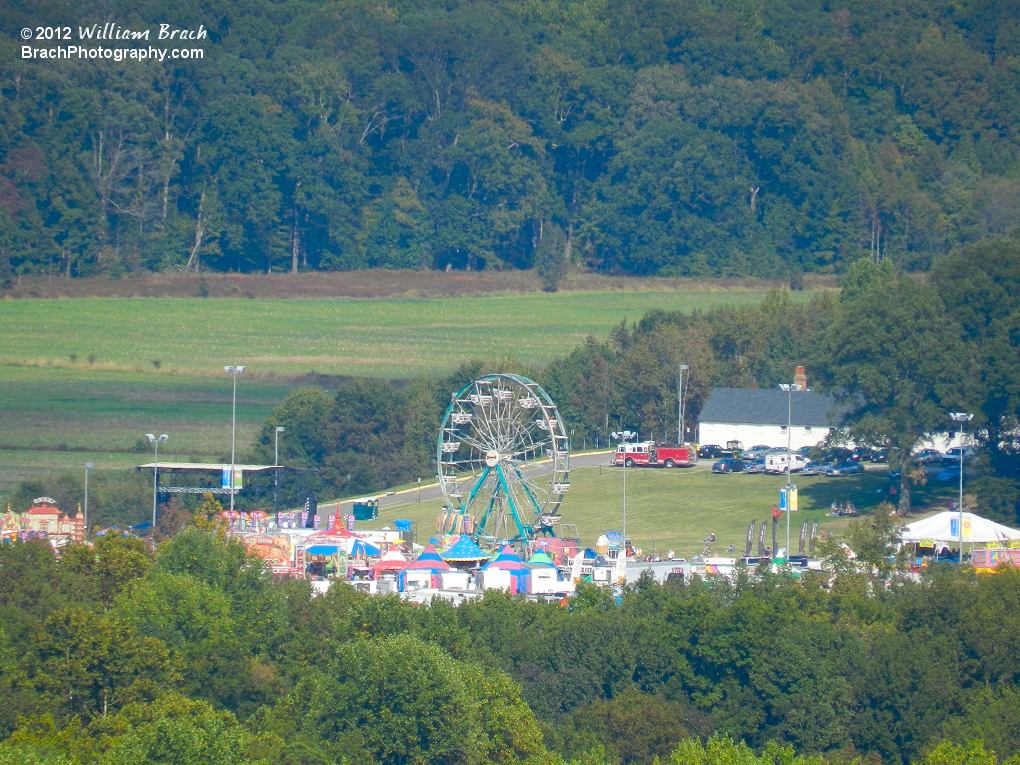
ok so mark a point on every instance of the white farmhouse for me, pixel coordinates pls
(759, 417)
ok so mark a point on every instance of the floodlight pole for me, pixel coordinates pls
(87, 466)
(152, 439)
(789, 455)
(233, 371)
(962, 418)
(276, 470)
(680, 406)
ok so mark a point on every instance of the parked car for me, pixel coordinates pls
(756, 452)
(728, 465)
(710, 452)
(755, 466)
(949, 473)
(845, 468)
(930, 457)
(952, 456)
(861, 453)
(814, 468)
(806, 451)
(880, 455)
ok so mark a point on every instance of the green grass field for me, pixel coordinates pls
(677, 508)
(81, 374)
(377, 338)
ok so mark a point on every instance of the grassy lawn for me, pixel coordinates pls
(81, 374)
(677, 508)
(392, 338)
(53, 419)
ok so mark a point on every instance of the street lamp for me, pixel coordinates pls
(155, 473)
(623, 436)
(962, 418)
(88, 466)
(233, 371)
(680, 404)
(789, 454)
(276, 469)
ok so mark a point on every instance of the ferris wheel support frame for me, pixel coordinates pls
(511, 439)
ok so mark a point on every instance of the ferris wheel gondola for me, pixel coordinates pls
(503, 458)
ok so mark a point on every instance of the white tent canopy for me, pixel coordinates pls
(393, 556)
(943, 529)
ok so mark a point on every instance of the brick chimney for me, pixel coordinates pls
(799, 378)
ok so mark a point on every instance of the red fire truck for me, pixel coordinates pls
(654, 454)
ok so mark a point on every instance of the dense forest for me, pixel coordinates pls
(704, 138)
(196, 655)
(901, 354)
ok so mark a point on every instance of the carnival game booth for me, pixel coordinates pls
(544, 577)
(939, 533)
(505, 572)
(325, 555)
(423, 573)
(561, 550)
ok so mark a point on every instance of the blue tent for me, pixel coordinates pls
(464, 550)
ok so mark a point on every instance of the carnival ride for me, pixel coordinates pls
(495, 433)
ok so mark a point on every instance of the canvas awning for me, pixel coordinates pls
(322, 550)
(943, 529)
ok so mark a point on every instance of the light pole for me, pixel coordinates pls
(962, 418)
(88, 465)
(680, 405)
(623, 436)
(276, 469)
(155, 474)
(233, 371)
(789, 454)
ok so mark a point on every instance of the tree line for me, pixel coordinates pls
(707, 139)
(899, 353)
(116, 655)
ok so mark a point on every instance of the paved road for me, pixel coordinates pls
(431, 491)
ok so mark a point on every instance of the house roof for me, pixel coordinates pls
(740, 406)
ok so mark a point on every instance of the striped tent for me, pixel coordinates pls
(508, 560)
(429, 561)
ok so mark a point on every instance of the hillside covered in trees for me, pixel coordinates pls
(114, 656)
(707, 138)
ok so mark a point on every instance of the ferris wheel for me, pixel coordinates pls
(503, 459)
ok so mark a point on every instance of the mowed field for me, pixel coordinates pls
(675, 509)
(391, 338)
(83, 379)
